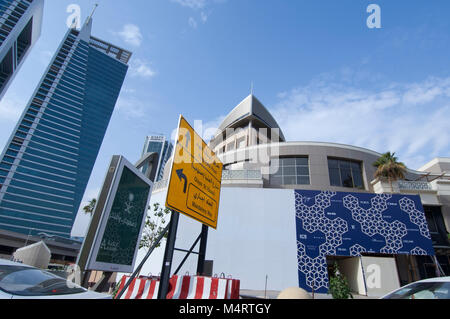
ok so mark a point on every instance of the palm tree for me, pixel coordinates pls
(389, 168)
(89, 209)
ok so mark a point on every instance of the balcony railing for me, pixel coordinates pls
(414, 186)
(241, 175)
(228, 175)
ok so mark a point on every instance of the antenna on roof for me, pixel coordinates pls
(251, 90)
(92, 14)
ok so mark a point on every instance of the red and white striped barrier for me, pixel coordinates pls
(183, 287)
(196, 287)
(140, 288)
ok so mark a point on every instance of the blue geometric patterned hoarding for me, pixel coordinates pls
(350, 224)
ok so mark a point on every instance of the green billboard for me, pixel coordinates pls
(124, 223)
(116, 229)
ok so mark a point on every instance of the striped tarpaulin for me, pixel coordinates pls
(195, 287)
(140, 288)
(183, 287)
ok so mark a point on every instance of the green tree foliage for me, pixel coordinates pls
(154, 225)
(339, 287)
(389, 168)
(89, 209)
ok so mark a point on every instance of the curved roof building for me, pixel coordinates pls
(250, 116)
(268, 190)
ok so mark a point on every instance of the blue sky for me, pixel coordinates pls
(316, 66)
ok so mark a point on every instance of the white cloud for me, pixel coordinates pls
(46, 57)
(131, 107)
(140, 68)
(193, 4)
(426, 92)
(203, 17)
(197, 4)
(11, 108)
(409, 119)
(131, 34)
(192, 23)
(200, 7)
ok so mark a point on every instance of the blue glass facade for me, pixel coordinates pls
(45, 167)
(161, 146)
(20, 27)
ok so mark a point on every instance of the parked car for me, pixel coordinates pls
(436, 288)
(18, 281)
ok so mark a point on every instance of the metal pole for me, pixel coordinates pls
(265, 287)
(28, 237)
(168, 256)
(187, 255)
(85, 275)
(138, 269)
(103, 282)
(202, 252)
(412, 261)
(439, 269)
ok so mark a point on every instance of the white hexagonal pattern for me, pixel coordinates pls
(372, 222)
(416, 216)
(418, 252)
(356, 250)
(314, 219)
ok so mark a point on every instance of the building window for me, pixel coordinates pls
(431, 220)
(242, 142)
(291, 171)
(345, 173)
(436, 225)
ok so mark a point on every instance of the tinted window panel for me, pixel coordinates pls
(302, 161)
(303, 180)
(290, 180)
(289, 170)
(335, 177)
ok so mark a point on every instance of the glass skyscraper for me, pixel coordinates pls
(163, 147)
(47, 162)
(20, 27)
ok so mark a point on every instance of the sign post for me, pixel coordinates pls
(202, 252)
(168, 256)
(194, 190)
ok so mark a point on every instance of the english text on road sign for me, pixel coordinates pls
(195, 179)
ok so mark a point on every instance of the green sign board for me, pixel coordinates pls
(124, 223)
(123, 212)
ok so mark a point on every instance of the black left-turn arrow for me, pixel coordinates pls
(181, 176)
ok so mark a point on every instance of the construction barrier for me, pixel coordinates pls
(183, 287)
(140, 288)
(197, 287)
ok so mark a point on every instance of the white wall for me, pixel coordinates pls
(381, 275)
(256, 236)
(351, 268)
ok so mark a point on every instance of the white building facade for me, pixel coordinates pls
(257, 236)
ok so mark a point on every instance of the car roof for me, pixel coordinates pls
(4, 262)
(438, 279)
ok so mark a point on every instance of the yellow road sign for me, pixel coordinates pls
(195, 179)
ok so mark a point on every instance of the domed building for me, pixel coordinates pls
(290, 210)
